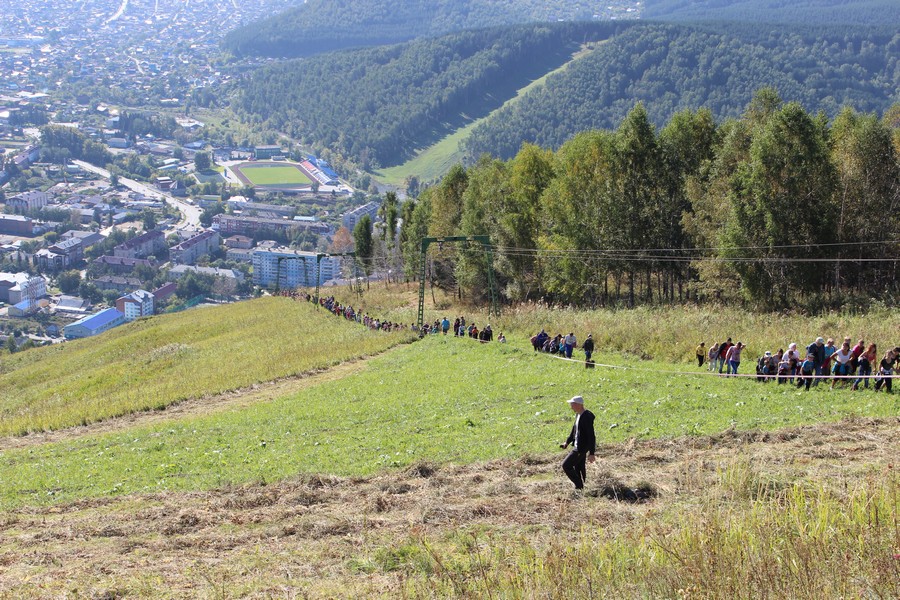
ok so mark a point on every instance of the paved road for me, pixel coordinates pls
(190, 214)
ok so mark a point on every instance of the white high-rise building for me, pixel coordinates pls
(287, 268)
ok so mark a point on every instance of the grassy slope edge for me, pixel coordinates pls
(153, 363)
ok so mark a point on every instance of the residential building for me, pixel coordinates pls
(241, 242)
(61, 255)
(16, 287)
(231, 224)
(166, 184)
(351, 218)
(239, 255)
(138, 303)
(142, 246)
(94, 324)
(88, 238)
(164, 292)
(249, 209)
(116, 283)
(121, 266)
(16, 225)
(188, 251)
(288, 268)
(28, 201)
(26, 157)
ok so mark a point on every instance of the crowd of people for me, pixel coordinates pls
(563, 345)
(822, 360)
(459, 328)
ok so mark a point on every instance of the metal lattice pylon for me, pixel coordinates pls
(485, 243)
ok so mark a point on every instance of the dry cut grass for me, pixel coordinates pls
(809, 512)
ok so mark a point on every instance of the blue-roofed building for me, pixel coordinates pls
(21, 309)
(94, 324)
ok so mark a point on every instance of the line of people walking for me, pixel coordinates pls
(848, 365)
(459, 328)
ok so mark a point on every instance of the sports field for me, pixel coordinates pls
(272, 174)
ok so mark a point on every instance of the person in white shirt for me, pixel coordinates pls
(842, 363)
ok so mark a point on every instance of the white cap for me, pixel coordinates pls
(576, 400)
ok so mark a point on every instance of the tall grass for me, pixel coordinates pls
(152, 363)
(804, 541)
(667, 333)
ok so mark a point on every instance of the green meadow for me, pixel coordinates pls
(442, 399)
(153, 363)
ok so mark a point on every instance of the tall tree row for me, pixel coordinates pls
(778, 208)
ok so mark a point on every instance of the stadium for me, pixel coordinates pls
(285, 176)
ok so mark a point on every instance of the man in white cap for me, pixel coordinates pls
(584, 444)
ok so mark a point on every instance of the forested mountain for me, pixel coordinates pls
(378, 105)
(671, 68)
(823, 12)
(318, 26)
(323, 25)
(779, 207)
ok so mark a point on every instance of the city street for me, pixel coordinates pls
(190, 214)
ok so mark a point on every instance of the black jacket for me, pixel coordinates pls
(588, 345)
(584, 439)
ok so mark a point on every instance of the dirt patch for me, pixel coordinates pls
(332, 537)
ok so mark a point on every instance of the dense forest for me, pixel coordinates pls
(824, 12)
(319, 26)
(780, 208)
(378, 105)
(671, 68)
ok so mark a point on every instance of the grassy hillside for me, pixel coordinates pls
(433, 469)
(442, 400)
(152, 363)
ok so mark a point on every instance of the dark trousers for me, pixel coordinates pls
(576, 468)
(700, 358)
